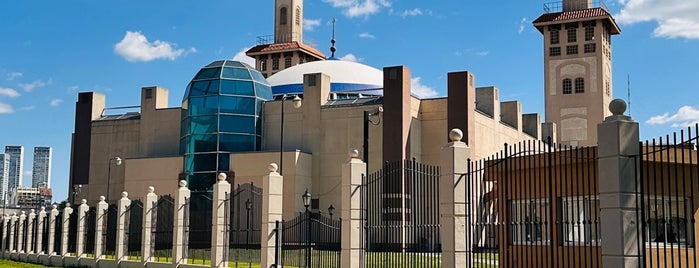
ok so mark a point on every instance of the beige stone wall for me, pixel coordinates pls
(161, 173)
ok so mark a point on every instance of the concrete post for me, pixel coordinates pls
(218, 222)
(272, 200)
(121, 246)
(179, 247)
(40, 231)
(80, 238)
(65, 224)
(101, 215)
(146, 250)
(13, 222)
(618, 139)
(454, 204)
(30, 232)
(4, 233)
(351, 213)
(20, 232)
(52, 229)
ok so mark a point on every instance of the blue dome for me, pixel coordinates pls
(344, 76)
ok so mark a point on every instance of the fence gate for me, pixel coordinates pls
(134, 230)
(109, 229)
(243, 214)
(401, 216)
(162, 223)
(310, 240)
(197, 222)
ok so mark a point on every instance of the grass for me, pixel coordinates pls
(14, 264)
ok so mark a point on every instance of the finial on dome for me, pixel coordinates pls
(332, 41)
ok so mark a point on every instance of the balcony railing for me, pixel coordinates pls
(270, 39)
(552, 7)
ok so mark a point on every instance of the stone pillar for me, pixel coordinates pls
(618, 139)
(179, 248)
(80, 238)
(30, 232)
(121, 246)
(454, 205)
(352, 172)
(52, 229)
(147, 254)
(20, 232)
(4, 233)
(40, 231)
(272, 200)
(13, 221)
(219, 256)
(65, 224)
(101, 215)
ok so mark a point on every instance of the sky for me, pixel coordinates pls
(52, 50)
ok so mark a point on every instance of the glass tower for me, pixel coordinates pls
(221, 114)
(41, 167)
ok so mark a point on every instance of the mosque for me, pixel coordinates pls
(303, 110)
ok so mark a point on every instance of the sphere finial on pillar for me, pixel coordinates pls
(273, 167)
(456, 135)
(183, 183)
(222, 176)
(353, 153)
(617, 107)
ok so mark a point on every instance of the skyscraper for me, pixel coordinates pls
(4, 175)
(16, 159)
(41, 168)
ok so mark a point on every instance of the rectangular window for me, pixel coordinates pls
(572, 32)
(275, 63)
(555, 37)
(589, 33)
(567, 86)
(590, 48)
(287, 62)
(572, 50)
(530, 218)
(579, 85)
(668, 221)
(554, 51)
(580, 225)
(263, 64)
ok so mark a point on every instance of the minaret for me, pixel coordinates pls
(286, 48)
(577, 68)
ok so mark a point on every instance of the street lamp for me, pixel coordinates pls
(331, 211)
(367, 120)
(248, 207)
(297, 104)
(76, 191)
(306, 198)
(117, 161)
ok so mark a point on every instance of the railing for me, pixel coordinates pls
(271, 39)
(553, 7)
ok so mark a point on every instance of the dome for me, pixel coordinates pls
(344, 76)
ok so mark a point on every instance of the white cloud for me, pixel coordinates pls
(310, 25)
(13, 75)
(367, 35)
(411, 12)
(685, 116)
(56, 102)
(28, 173)
(358, 8)
(27, 108)
(241, 57)
(72, 88)
(351, 57)
(8, 92)
(675, 18)
(36, 84)
(421, 90)
(522, 24)
(6, 108)
(482, 53)
(135, 47)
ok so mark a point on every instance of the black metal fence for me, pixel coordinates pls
(134, 230)
(162, 223)
(310, 240)
(35, 234)
(44, 235)
(109, 230)
(198, 227)
(401, 216)
(90, 226)
(58, 234)
(668, 204)
(243, 213)
(72, 231)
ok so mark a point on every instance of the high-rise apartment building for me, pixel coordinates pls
(4, 176)
(16, 154)
(41, 167)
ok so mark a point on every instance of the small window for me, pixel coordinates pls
(275, 63)
(572, 50)
(287, 62)
(263, 64)
(668, 221)
(555, 37)
(554, 51)
(572, 32)
(580, 225)
(579, 85)
(149, 93)
(282, 16)
(567, 86)
(530, 218)
(589, 33)
(298, 16)
(590, 48)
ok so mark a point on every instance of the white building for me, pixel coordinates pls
(41, 168)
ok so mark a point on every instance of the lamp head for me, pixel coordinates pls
(297, 102)
(117, 160)
(306, 197)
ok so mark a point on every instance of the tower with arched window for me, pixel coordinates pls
(577, 67)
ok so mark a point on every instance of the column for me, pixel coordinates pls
(101, 216)
(151, 198)
(272, 200)
(40, 231)
(121, 246)
(218, 222)
(618, 140)
(20, 232)
(179, 254)
(5, 234)
(65, 224)
(52, 229)
(80, 238)
(30, 232)
(13, 221)
(352, 172)
(454, 205)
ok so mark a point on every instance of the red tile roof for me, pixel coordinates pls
(561, 17)
(279, 47)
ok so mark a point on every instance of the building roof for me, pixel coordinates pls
(344, 76)
(576, 15)
(287, 46)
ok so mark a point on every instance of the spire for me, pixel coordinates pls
(332, 41)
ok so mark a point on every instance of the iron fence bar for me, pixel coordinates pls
(684, 194)
(691, 182)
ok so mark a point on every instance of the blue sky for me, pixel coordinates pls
(51, 50)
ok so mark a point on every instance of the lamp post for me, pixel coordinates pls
(367, 120)
(297, 104)
(306, 198)
(248, 207)
(331, 211)
(117, 160)
(76, 191)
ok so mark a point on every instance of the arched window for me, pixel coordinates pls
(282, 16)
(298, 16)
(567, 86)
(579, 85)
